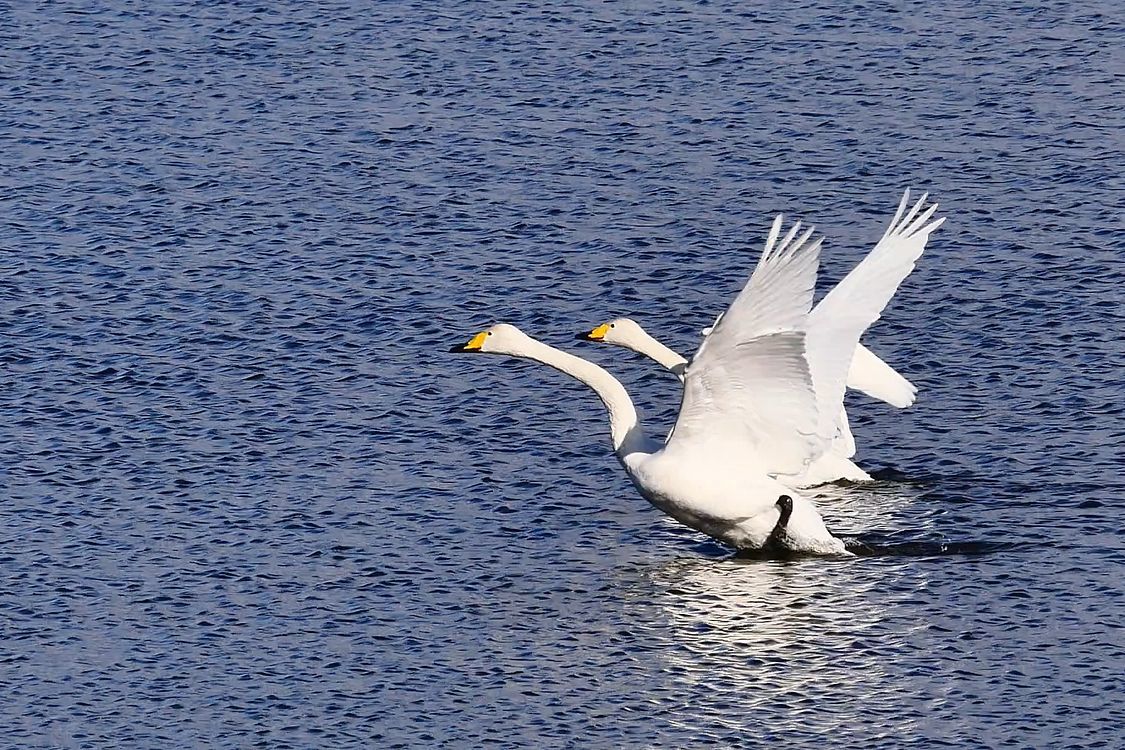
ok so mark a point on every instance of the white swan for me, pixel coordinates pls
(866, 372)
(702, 476)
(748, 408)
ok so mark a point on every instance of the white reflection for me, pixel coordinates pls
(802, 644)
(864, 508)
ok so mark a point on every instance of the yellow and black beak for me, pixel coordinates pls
(595, 335)
(473, 345)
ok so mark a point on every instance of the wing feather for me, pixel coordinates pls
(755, 402)
(748, 389)
(843, 444)
(871, 375)
(857, 301)
(778, 295)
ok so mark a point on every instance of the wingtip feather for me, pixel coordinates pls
(771, 238)
(913, 211)
(789, 237)
(920, 220)
(932, 226)
(800, 242)
(898, 214)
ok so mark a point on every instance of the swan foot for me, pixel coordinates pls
(782, 541)
(776, 539)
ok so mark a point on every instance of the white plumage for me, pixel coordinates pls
(749, 407)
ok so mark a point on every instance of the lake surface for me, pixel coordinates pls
(249, 500)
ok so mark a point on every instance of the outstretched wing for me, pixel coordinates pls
(857, 301)
(748, 390)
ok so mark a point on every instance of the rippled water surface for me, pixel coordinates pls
(249, 499)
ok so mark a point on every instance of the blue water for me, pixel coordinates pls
(249, 499)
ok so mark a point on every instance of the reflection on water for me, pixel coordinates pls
(795, 641)
(894, 518)
(862, 508)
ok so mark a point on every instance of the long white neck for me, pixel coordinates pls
(624, 424)
(665, 357)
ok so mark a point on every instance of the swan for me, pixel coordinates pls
(866, 372)
(748, 380)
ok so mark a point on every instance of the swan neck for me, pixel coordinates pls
(663, 356)
(624, 423)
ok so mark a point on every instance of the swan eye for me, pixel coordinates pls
(613, 325)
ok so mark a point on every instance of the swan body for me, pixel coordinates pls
(865, 372)
(705, 488)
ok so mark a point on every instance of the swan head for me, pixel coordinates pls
(499, 339)
(620, 331)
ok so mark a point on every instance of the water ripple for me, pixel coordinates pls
(249, 500)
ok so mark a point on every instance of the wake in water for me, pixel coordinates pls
(870, 546)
